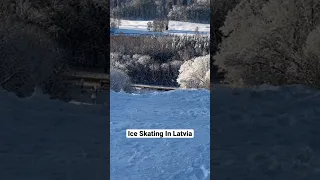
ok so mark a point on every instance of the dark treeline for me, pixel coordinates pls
(181, 10)
(39, 40)
(78, 25)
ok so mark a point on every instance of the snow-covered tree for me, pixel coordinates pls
(177, 13)
(119, 80)
(265, 42)
(115, 23)
(144, 60)
(195, 73)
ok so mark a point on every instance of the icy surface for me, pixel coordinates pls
(175, 28)
(158, 159)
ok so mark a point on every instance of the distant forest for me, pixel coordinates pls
(180, 10)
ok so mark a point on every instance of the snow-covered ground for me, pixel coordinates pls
(270, 133)
(49, 139)
(175, 28)
(157, 159)
(266, 133)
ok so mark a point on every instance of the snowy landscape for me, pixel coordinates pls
(262, 112)
(51, 139)
(266, 132)
(172, 159)
(259, 133)
(137, 27)
(168, 49)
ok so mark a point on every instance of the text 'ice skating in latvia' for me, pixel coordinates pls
(160, 133)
